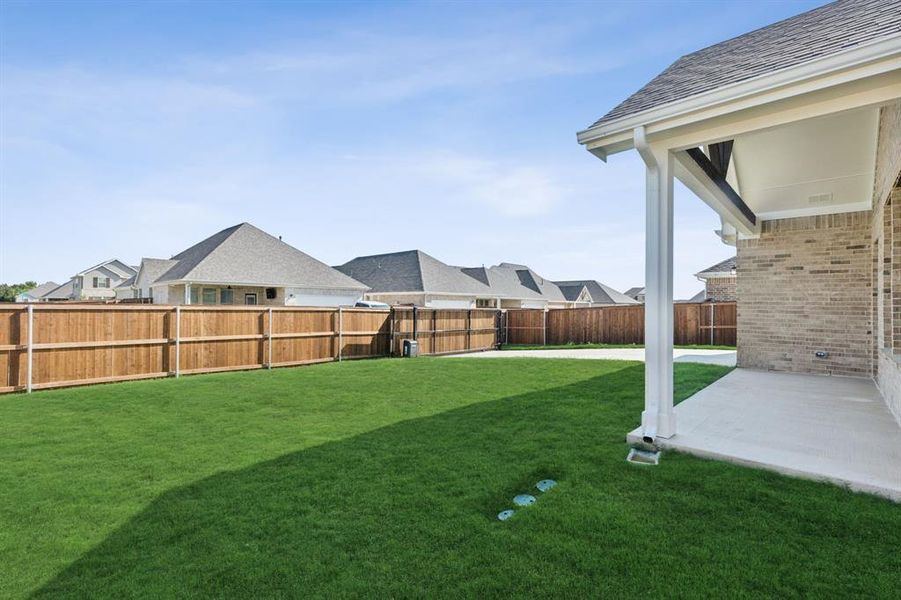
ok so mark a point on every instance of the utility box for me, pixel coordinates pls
(411, 348)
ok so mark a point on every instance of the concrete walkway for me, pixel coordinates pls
(830, 428)
(712, 357)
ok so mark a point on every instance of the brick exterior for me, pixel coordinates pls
(805, 285)
(830, 283)
(721, 289)
(886, 239)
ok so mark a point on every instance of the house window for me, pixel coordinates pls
(250, 299)
(195, 295)
(484, 303)
(209, 296)
(226, 296)
(101, 282)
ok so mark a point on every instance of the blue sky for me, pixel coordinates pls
(138, 129)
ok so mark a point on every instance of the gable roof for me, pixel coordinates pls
(40, 290)
(600, 293)
(62, 292)
(127, 283)
(412, 271)
(244, 254)
(634, 292)
(812, 35)
(720, 269)
(152, 269)
(113, 265)
(519, 281)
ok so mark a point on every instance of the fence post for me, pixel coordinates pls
(269, 340)
(30, 342)
(414, 323)
(469, 329)
(544, 327)
(340, 332)
(712, 320)
(391, 314)
(177, 341)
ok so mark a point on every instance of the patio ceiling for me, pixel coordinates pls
(816, 166)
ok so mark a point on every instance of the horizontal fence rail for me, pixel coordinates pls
(48, 346)
(54, 345)
(693, 323)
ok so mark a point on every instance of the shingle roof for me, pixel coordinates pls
(416, 271)
(243, 254)
(725, 266)
(811, 35)
(112, 265)
(412, 271)
(152, 269)
(63, 292)
(634, 292)
(600, 293)
(39, 291)
(127, 283)
(519, 281)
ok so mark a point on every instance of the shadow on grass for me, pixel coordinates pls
(410, 509)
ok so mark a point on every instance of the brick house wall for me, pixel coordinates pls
(830, 283)
(805, 286)
(721, 289)
(886, 269)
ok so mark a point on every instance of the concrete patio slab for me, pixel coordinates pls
(725, 358)
(836, 429)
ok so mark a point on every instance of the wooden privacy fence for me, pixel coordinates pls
(693, 323)
(445, 331)
(46, 346)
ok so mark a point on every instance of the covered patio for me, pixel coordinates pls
(835, 429)
(792, 135)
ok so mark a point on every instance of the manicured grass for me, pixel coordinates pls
(383, 478)
(590, 346)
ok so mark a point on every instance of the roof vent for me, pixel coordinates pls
(820, 198)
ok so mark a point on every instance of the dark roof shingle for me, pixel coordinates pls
(811, 35)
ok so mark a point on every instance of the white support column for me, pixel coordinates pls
(658, 418)
(187, 299)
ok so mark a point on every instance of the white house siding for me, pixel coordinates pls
(451, 303)
(85, 285)
(175, 294)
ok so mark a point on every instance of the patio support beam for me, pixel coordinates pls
(658, 418)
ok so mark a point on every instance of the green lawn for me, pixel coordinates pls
(590, 346)
(383, 478)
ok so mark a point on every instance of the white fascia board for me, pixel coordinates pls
(879, 57)
(695, 179)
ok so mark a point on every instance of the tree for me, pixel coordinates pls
(9, 291)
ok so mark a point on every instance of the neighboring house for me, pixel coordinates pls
(149, 271)
(414, 277)
(36, 294)
(719, 282)
(245, 265)
(593, 292)
(100, 281)
(699, 297)
(62, 293)
(636, 293)
(792, 135)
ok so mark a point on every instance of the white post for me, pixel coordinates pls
(177, 341)
(187, 293)
(340, 332)
(30, 343)
(269, 359)
(658, 418)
